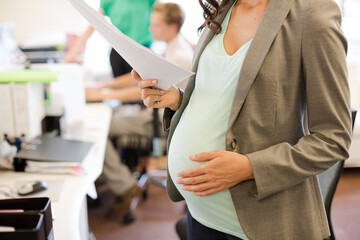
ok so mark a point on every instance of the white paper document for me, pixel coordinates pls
(148, 64)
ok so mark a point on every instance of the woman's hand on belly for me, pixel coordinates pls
(221, 170)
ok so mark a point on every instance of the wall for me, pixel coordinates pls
(50, 20)
(40, 16)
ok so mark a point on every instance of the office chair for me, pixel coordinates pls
(135, 149)
(328, 182)
(181, 228)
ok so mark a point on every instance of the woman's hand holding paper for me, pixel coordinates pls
(155, 97)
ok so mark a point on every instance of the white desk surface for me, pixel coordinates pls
(74, 188)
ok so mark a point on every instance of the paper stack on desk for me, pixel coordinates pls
(148, 64)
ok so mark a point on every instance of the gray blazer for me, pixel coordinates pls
(294, 67)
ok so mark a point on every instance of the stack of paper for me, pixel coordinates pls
(148, 64)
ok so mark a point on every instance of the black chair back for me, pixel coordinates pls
(328, 182)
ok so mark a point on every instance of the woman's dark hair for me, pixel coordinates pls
(211, 11)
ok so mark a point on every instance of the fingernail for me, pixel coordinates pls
(154, 82)
(162, 92)
(192, 156)
(162, 97)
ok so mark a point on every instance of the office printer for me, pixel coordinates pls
(27, 96)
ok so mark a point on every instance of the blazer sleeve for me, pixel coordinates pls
(168, 113)
(328, 109)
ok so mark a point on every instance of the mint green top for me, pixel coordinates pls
(202, 128)
(132, 17)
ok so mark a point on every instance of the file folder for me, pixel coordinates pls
(54, 151)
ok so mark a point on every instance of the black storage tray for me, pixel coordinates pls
(27, 226)
(32, 205)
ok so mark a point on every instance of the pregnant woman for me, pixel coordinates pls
(267, 110)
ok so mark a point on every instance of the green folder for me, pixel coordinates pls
(28, 75)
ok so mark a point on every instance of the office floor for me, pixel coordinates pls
(157, 215)
(155, 218)
(346, 206)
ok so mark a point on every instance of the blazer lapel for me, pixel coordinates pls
(269, 26)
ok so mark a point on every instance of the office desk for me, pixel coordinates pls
(69, 210)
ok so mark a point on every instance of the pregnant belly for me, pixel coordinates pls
(186, 142)
(217, 206)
